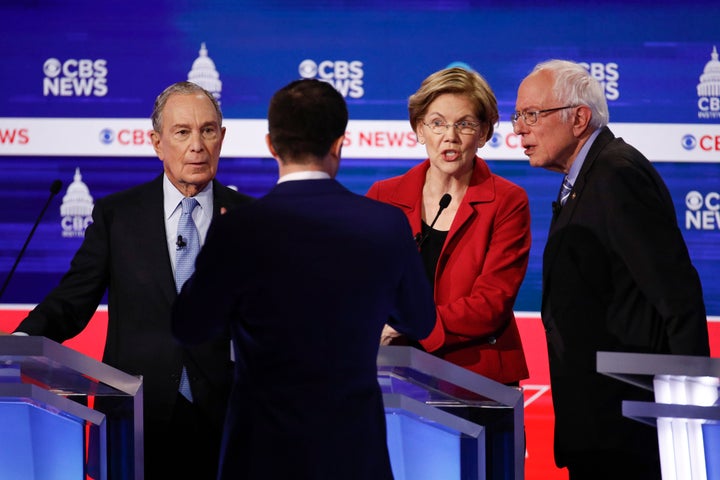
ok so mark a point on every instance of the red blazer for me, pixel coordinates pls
(481, 267)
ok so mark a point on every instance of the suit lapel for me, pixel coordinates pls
(481, 190)
(151, 221)
(220, 199)
(562, 219)
(565, 214)
(406, 197)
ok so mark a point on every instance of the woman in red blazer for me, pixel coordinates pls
(476, 243)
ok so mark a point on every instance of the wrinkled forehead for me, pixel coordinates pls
(535, 91)
(193, 108)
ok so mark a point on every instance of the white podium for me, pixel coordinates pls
(686, 410)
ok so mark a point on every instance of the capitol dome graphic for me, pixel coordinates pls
(76, 208)
(709, 85)
(77, 199)
(205, 74)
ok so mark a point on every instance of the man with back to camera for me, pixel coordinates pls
(294, 276)
(130, 250)
(617, 275)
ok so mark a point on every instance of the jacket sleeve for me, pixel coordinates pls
(68, 308)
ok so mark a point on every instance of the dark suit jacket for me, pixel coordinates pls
(617, 276)
(125, 252)
(306, 277)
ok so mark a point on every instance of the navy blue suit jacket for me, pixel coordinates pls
(306, 277)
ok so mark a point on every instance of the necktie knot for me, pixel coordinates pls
(188, 205)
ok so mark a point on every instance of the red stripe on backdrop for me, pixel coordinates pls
(539, 462)
(90, 341)
(538, 404)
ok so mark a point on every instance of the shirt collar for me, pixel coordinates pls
(172, 198)
(304, 175)
(580, 159)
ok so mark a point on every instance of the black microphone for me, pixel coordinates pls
(54, 189)
(444, 202)
(180, 243)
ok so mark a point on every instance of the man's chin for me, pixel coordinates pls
(200, 175)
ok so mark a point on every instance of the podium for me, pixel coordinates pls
(686, 410)
(445, 421)
(48, 427)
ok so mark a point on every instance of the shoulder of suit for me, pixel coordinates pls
(229, 197)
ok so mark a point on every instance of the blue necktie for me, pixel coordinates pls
(188, 246)
(565, 190)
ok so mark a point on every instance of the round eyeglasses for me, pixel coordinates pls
(530, 117)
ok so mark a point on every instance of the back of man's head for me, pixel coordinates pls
(305, 117)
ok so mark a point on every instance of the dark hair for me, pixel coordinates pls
(180, 88)
(305, 117)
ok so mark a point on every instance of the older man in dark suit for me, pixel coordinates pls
(617, 275)
(130, 250)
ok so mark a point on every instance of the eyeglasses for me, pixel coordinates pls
(465, 127)
(530, 117)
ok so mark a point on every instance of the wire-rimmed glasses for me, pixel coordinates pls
(530, 117)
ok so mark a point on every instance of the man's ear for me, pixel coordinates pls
(270, 147)
(581, 119)
(155, 139)
(336, 148)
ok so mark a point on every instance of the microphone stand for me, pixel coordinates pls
(54, 189)
(444, 202)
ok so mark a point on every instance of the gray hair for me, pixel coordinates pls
(180, 88)
(573, 85)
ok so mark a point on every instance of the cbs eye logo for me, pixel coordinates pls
(694, 200)
(689, 142)
(52, 67)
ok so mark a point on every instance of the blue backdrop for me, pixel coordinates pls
(88, 60)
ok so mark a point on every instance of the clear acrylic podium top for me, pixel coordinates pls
(42, 373)
(60, 369)
(433, 381)
(440, 386)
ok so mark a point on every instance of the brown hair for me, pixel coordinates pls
(459, 81)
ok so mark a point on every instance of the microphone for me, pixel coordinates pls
(444, 202)
(54, 189)
(180, 243)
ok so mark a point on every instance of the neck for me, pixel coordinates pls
(327, 164)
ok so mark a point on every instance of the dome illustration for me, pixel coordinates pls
(709, 85)
(204, 73)
(77, 200)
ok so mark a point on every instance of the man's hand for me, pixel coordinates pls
(388, 335)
